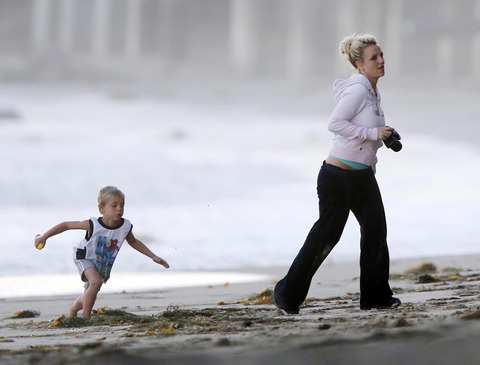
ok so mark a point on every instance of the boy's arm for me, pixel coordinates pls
(142, 248)
(61, 227)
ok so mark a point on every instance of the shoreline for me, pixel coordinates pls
(231, 323)
(54, 285)
(124, 282)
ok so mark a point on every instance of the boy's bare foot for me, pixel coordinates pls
(72, 312)
(74, 308)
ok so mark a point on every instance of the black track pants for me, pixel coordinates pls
(339, 192)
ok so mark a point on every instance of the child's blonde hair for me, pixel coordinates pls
(107, 192)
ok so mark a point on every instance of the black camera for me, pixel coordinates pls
(393, 142)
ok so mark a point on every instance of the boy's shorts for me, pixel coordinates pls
(83, 265)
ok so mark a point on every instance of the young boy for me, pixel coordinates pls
(95, 254)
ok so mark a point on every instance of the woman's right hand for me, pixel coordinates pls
(384, 132)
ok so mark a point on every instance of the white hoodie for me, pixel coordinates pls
(355, 120)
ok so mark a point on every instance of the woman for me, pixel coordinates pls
(346, 182)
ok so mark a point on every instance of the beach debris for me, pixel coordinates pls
(402, 322)
(169, 329)
(357, 294)
(424, 275)
(247, 323)
(224, 342)
(423, 268)
(172, 309)
(100, 311)
(175, 320)
(26, 314)
(209, 320)
(443, 301)
(212, 286)
(59, 321)
(426, 278)
(474, 315)
(265, 297)
(324, 327)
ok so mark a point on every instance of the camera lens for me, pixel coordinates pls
(396, 146)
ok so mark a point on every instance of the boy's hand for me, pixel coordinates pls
(161, 261)
(39, 242)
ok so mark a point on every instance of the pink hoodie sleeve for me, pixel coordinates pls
(350, 103)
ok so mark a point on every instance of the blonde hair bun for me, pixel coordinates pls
(353, 46)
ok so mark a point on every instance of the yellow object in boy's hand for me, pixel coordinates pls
(40, 245)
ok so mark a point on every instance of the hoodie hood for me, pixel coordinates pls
(339, 86)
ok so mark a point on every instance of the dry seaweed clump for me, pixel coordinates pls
(26, 314)
(423, 268)
(265, 297)
(426, 279)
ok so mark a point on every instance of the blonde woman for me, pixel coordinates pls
(346, 182)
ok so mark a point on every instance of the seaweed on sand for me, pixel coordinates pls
(424, 274)
(104, 317)
(227, 319)
(206, 320)
(25, 314)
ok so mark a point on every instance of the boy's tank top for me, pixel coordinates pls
(101, 245)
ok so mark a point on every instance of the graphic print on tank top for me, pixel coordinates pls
(106, 254)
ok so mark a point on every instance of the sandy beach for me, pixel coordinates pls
(235, 323)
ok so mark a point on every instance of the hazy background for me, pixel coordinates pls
(209, 44)
(280, 51)
(211, 116)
